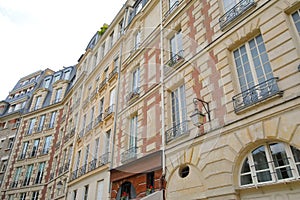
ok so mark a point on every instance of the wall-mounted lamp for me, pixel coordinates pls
(197, 116)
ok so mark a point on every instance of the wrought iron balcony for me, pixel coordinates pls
(256, 94)
(234, 12)
(109, 110)
(74, 174)
(176, 131)
(103, 159)
(102, 84)
(175, 59)
(82, 170)
(92, 165)
(129, 155)
(133, 94)
(113, 73)
(99, 119)
(89, 126)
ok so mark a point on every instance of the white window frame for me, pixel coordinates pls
(133, 132)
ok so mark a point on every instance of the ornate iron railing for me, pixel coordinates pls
(102, 84)
(234, 12)
(89, 126)
(129, 154)
(176, 131)
(133, 94)
(175, 59)
(109, 110)
(256, 94)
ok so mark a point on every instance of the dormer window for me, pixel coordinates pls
(47, 82)
(56, 77)
(67, 74)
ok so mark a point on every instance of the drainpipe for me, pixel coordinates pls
(162, 88)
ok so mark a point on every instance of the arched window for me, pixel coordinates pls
(269, 163)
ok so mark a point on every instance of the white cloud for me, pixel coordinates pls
(36, 35)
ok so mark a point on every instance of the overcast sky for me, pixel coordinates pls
(35, 35)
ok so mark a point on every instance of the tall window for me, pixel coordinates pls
(52, 119)
(47, 144)
(296, 19)
(107, 142)
(10, 142)
(24, 150)
(3, 165)
(40, 173)
(41, 123)
(173, 4)
(95, 59)
(23, 196)
(112, 97)
(31, 126)
(56, 77)
(58, 95)
(86, 156)
(35, 195)
(28, 175)
(70, 153)
(103, 50)
(37, 102)
(133, 132)
(67, 74)
(35, 147)
(116, 62)
(96, 148)
(179, 110)
(92, 114)
(176, 47)
(74, 194)
(101, 105)
(78, 159)
(252, 63)
(111, 40)
(272, 162)
(135, 80)
(120, 28)
(86, 192)
(137, 40)
(47, 82)
(17, 176)
(99, 190)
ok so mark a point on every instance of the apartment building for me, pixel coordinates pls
(32, 157)
(240, 83)
(12, 108)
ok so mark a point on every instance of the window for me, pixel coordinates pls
(52, 119)
(10, 142)
(173, 4)
(101, 105)
(133, 132)
(86, 192)
(228, 4)
(1, 143)
(112, 97)
(252, 63)
(35, 195)
(70, 153)
(99, 190)
(269, 163)
(37, 102)
(4, 165)
(116, 63)
(135, 80)
(67, 74)
(41, 124)
(11, 197)
(78, 159)
(17, 123)
(28, 175)
(58, 95)
(56, 77)
(176, 47)
(74, 194)
(40, 173)
(35, 147)
(296, 19)
(16, 177)
(107, 142)
(178, 111)
(31, 126)
(86, 158)
(47, 82)
(106, 74)
(127, 191)
(95, 59)
(120, 28)
(139, 7)
(24, 150)
(150, 181)
(47, 144)
(111, 40)
(96, 148)
(23, 196)
(137, 40)
(103, 50)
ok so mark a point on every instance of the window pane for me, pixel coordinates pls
(281, 161)
(259, 158)
(246, 179)
(296, 155)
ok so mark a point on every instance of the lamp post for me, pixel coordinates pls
(197, 116)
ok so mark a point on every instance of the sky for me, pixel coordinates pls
(35, 34)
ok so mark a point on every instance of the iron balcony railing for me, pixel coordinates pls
(175, 59)
(113, 73)
(133, 94)
(176, 131)
(234, 12)
(129, 154)
(99, 119)
(102, 84)
(256, 94)
(103, 159)
(109, 110)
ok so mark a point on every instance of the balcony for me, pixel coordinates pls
(176, 58)
(113, 73)
(99, 119)
(133, 95)
(129, 155)
(82, 170)
(102, 84)
(103, 159)
(89, 126)
(108, 111)
(236, 11)
(256, 94)
(176, 131)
